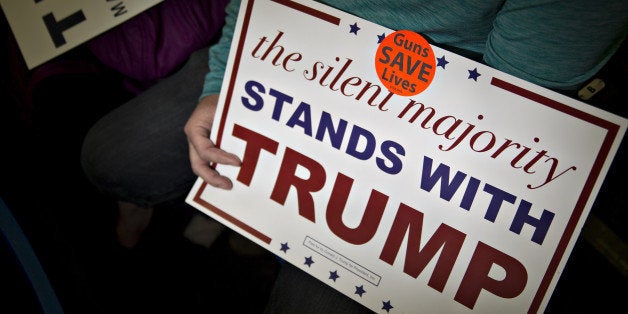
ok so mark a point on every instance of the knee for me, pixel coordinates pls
(103, 161)
(94, 160)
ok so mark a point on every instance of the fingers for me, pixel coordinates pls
(207, 151)
(203, 152)
(203, 169)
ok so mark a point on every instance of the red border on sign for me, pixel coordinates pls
(307, 10)
(612, 131)
(197, 198)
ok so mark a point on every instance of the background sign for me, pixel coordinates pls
(45, 29)
(466, 197)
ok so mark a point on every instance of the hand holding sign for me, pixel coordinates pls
(203, 152)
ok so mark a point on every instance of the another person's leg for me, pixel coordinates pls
(138, 153)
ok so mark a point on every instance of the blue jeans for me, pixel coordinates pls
(138, 152)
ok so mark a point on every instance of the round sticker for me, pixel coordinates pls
(405, 63)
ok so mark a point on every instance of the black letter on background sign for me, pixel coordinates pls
(56, 29)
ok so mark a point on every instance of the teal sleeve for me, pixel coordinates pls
(556, 44)
(219, 53)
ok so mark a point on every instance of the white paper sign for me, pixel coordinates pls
(45, 29)
(467, 197)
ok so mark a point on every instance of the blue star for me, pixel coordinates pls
(387, 306)
(360, 290)
(354, 28)
(381, 37)
(441, 62)
(473, 74)
(309, 261)
(284, 247)
(333, 275)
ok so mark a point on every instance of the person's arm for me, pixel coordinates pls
(556, 44)
(219, 53)
(203, 152)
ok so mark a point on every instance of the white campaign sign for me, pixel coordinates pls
(467, 197)
(45, 29)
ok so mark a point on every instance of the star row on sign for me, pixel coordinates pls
(440, 62)
(333, 275)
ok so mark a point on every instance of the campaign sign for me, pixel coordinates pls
(461, 190)
(45, 29)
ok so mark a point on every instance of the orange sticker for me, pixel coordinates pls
(405, 63)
